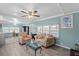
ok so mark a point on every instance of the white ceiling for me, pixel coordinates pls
(12, 10)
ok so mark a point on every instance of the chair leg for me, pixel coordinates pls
(35, 52)
(22, 43)
(40, 50)
(26, 48)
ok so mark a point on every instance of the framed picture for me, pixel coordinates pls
(67, 21)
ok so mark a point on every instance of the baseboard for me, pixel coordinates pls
(63, 46)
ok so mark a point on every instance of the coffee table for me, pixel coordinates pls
(34, 46)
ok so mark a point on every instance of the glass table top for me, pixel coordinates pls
(34, 44)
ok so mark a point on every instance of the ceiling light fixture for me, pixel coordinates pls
(30, 17)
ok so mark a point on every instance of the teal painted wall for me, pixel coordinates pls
(47, 22)
(67, 37)
(76, 27)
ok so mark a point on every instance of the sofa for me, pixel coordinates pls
(46, 39)
(24, 37)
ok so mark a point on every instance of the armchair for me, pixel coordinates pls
(24, 37)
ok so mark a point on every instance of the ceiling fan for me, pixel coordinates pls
(30, 13)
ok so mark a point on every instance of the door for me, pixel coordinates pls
(26, 29)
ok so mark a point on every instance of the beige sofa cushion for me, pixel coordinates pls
(46, 39)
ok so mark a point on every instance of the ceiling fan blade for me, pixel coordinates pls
(24, 12)
(37, 15)
(24, 15)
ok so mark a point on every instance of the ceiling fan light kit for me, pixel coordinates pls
(30, 17)
(30, 14)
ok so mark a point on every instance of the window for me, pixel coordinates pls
(50, 29)
(54, 30)
(46, 29)
(39, 29)
(6, 30)
(10, 29)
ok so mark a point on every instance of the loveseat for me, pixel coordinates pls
(46, 39)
